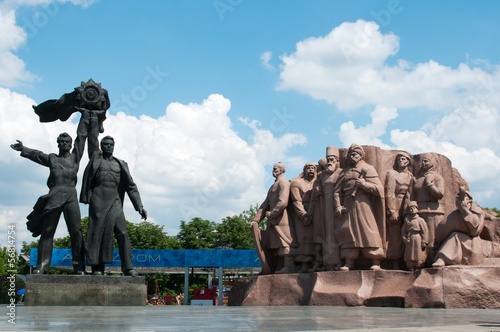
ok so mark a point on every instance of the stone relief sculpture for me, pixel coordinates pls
(414, 234)
(461, 229)
(105, 181)
(359, 207)
(300, 196)
(358, 223)
(397, 185)
(428, 190)
(274, 251)
(61, 199)
(325, 216)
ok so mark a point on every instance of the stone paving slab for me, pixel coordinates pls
(194, 318)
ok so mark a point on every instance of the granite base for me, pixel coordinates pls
(87, 290)
(449, 287)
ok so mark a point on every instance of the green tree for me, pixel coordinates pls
(146, 235)
(23, 267)
(197, 234)
(234, 232)
(4, 260)
(143, 235)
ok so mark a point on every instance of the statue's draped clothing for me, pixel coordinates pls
(105, 209)
(300, 196)
(276, 202)
(363, 225)
(396, 197)
(415, 230)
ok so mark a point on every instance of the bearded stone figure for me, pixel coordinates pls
(359, 205)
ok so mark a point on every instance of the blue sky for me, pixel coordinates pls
(207, 95)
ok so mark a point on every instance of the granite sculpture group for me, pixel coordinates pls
(106, 180)
(366, 208)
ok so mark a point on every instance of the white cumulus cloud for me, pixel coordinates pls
(369, 134)
(348, 67)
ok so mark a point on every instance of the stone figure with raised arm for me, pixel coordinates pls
(105, 182)
(274, 253)
(461, 230)
(61, 199)
(359, 205)
(323, 195)
(300, 195)
(397, 195)
(414, 234)
(428, 190)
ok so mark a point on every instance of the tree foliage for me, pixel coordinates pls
(234, 232)
(146, 235)
(4, 259)
(197, 234)
(143, 235)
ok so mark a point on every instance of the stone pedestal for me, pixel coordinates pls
(88, 290)
(449, 287)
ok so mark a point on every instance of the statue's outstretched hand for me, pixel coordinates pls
(17, 146)
(143, 214)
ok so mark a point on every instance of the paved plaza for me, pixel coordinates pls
(197, 318)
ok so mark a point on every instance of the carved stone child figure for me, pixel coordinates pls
(415, 235)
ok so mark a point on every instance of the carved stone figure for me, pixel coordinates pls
(62, 197)
(325, 217)
(300, 197)
(105, 182)
(359, 205)
(274, 252)
(463, 244)
(314, 214)
(428, 190)
(397, 183)
(414, 234)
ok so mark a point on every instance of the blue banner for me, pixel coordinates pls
(169, 258)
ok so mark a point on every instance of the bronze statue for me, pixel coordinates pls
(62, 197)
(89, 95)
(359, 205)
(105, 182)
(274, 251)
